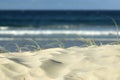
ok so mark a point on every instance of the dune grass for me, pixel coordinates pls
(117, 28)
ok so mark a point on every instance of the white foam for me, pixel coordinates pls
(4, 28)
(51, 32)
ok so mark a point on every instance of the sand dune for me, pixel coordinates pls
(74, 63)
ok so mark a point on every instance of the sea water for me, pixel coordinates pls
(48, 29)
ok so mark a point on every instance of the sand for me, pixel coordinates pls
(74, 63)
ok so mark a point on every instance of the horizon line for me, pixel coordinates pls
(59, 10)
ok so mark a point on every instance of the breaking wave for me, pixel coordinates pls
(57, 32)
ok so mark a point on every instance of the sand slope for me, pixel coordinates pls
(74, 63)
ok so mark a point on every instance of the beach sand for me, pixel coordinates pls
(74, 63)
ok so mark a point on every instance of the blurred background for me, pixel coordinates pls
(36, 24)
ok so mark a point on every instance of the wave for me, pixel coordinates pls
(57, 32)
(4, 27)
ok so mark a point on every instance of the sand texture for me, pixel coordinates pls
(74, 63)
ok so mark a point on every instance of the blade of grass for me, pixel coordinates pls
(117, 28)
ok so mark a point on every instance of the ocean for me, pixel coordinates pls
(33, 29)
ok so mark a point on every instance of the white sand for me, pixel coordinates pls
(74, 63)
